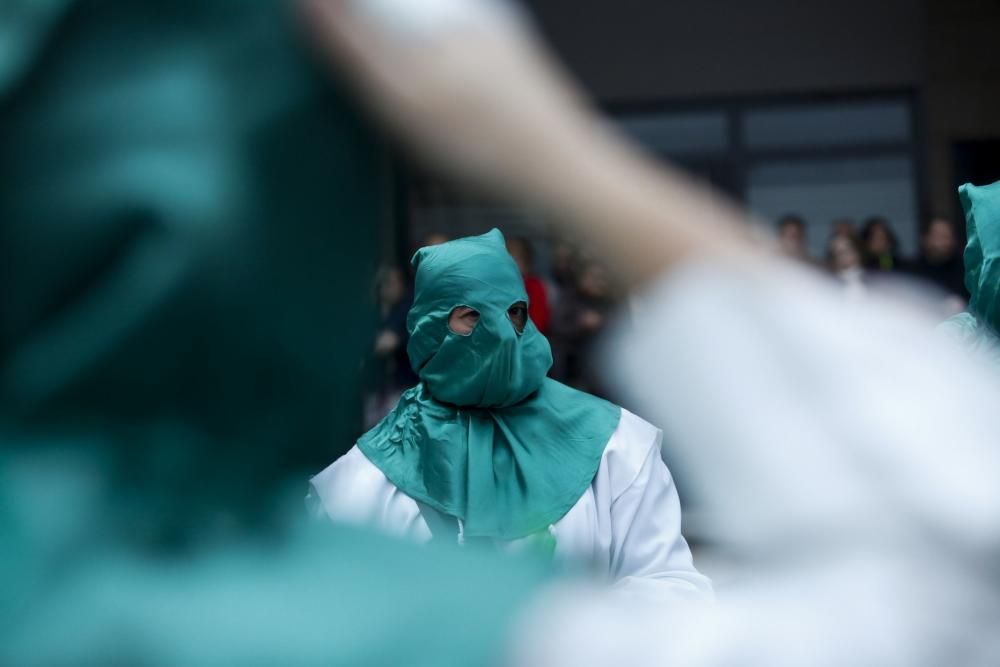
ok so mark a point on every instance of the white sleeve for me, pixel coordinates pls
(352, 490)
(347, 490)
(649, 556)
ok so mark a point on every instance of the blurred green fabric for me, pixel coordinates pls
(190, 214)
(977, 328)
(325, 595)
(188, 232)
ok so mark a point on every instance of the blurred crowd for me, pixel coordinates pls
(860, 256)
(574, 299)
(571, 304)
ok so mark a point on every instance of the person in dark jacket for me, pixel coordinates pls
(880, 245)
(579, 317)
(940, 261)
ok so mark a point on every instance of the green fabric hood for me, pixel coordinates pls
(486, 437)
(976, 329)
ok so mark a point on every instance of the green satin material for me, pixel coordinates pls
(978, 327)
(486, 437)
(494, 366)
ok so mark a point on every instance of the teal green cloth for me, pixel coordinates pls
(977, 328)
(486, 437)
(325, 595)
(24, 28)
(189, 212)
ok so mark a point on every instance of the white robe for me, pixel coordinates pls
(626, 525)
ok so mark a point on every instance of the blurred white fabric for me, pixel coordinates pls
(409, 18)
(846, 461)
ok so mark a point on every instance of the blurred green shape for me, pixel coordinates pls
(977, 328)
(327, 595)
(188, 231)
(189, 218)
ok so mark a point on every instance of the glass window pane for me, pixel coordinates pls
(678, 133)
(828, 125)
(822, 191)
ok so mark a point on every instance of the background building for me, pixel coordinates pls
(831, 110)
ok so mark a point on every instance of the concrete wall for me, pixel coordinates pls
(948, 51)
(640, 49)
(961, 87)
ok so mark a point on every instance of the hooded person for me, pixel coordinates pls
(487, 449)
(976, 329)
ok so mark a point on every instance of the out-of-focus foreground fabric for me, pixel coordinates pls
(188, 216)
(188, 219)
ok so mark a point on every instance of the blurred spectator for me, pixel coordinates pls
(392, 374)
(791, 231)
(581, 314)
(940, 260)
(563, 265)
(844, 227)
(880, 245)
(844, 259)
(538, 299)
(435, 238)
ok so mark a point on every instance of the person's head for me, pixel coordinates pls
(435, 238)
(843, 253)
(877, 237)
(391, 285)
(844, 227)
(564, 258)
(520, 249)
(593, 281)
(791, 230)
(471, 340)
(938, 242)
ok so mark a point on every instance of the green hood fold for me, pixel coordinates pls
(485, 437)
(982, 252)
(976, 329)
